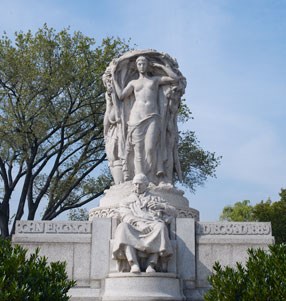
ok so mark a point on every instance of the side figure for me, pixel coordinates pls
(112, 128)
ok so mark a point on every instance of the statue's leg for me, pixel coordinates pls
(126, 175)
(152, 261)
(151, 147)
(139, 157)
(131, 256)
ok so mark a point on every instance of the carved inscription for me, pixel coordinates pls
(30, 227)
(53, 227)
(233, 228)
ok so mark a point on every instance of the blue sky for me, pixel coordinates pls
(233, 56)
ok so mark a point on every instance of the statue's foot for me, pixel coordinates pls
(135, 268)
(150, 269)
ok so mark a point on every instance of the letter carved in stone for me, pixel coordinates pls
(53, 227)
(230, 228)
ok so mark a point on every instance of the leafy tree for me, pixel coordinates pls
(239, 212)
(51, 116)
(30, 278)
(51, 124)
(265, 211)
(263, 278)
(275, 212)
(79, 214)
(197, 164)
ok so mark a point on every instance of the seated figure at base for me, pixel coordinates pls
(143, 229)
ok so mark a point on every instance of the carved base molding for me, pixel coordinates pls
(102, 212)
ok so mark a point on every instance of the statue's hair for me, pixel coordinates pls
(141, 177)
(106, 76)
(140, 58)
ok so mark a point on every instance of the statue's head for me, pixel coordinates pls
(140, 183)
(142, 64)
(107, 79)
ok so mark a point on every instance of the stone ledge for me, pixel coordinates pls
(51, 238)
(142, 275)
(234, 240)
(84, 294)
(142, 287)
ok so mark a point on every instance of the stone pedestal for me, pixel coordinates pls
(86, 247)
(112, 198)
(142, 287)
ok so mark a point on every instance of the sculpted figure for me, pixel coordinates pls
(144, 122)
(143, 85)
(112, 130)
(143, 229)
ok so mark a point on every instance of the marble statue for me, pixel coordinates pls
(143, 95)
(143, 230)
(112, 130)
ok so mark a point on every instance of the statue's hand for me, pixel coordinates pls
(118, 120)
(147, 230)
(153, 205)
(142, 227)
(157, 65)
(166, 58)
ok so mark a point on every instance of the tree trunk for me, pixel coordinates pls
(22, 201)
(4, 220)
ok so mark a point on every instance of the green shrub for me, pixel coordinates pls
(30, 278)
(262, 278)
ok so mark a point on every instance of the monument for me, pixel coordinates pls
(143, 242)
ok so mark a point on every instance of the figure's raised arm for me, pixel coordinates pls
(127, 90)
(171, 75)
(121, 93)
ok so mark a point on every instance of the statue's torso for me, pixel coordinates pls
(146, 94)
